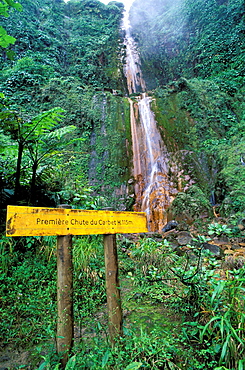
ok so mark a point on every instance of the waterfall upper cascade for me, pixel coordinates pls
(153, 189)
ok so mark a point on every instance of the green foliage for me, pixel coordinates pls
(195, 271)
(89, 276)
(219, 229)
(155, 351)
(209, 144)
(78, 38)
(224, 320)
(190, 204)
(6, 253)
(150, 252)
(5, 39)
(28, 312)
(68, 55)
(36, 139)
(232, 173)
(31, 301)
(188, 283)
(93, 43)
(134, 366)
(188, 39)
(86, 248)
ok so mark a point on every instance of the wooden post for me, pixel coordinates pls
(112, 287)
(65, 327)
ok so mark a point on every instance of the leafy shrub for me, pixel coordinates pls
(28, 294)
(218, 229)
(220, 327)
(191, 203)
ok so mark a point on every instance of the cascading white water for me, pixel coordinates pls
(157, 168)
(153, 189)
(133, 72)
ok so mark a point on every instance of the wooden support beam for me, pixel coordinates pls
(112, 288)
(65, 322)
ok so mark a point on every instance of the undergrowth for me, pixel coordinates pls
(181, 310)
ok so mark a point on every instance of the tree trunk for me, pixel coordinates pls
(17, 173)
(32, 197)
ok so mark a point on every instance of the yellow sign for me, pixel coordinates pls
(37, 221)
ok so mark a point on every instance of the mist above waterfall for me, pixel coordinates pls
(157, 26)
(149, 9)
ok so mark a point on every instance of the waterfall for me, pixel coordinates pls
(150, 157)
(132, 71)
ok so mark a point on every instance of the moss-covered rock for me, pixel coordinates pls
(189, 205)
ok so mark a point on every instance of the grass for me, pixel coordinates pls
(178, 313)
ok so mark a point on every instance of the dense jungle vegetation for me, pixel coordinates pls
(69, 56)
(65, 138)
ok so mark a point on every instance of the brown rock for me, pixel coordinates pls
(184, 238)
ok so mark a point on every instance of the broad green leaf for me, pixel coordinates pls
(14, 4)
(222, 326)
(240, 364)
(218, 290)
(43, 123)
(206, 327)
(105, 359)
(224, 349)
(60, 132)
(43, 365)
(235, 335)
(5, 39)
(4, 10)
(134, 366)
(71, 363)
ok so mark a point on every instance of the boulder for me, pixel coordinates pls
(184, 238)
(214, 249)
(170, 226)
